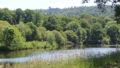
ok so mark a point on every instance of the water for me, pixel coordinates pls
(54, 55)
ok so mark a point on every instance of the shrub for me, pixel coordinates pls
(12, 38)
(59, 38)
(50, 37)
(71, 36)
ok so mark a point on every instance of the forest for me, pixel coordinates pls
(26, 29)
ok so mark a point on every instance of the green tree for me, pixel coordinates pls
(86, 31)
(97, 34)
(34, 32)
(82, 34)
(43, 33)
(73, 26)
(12, 38)
(59, 38)
(113, 32)
(28, 16)
(117, 13)
(84, 23)
(50, 37)
(25, 30)
(37, 18)
(52, 23)
(19, 15)
(71, 36)
(7, 15)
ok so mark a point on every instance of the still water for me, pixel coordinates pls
(54, 55)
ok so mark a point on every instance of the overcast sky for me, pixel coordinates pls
(42, 4)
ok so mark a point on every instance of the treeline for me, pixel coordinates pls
(76, 11)
(30, 29)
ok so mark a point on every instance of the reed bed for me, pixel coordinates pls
(108, 61)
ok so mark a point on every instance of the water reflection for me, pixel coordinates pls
(55, 55)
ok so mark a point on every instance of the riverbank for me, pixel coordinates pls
(107, 61)
(47, 46)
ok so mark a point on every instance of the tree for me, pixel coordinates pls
(113, 32)
(50, 37)
(7, 15)
(117, 13)
(43, 33)
(71, 36)
(28, 16)
(97, 34)
(37, 18)
(73, 26)
(82, 34)
(84, 23)
(12, 38)
(25, 30)
(34, 31)
(102, 3)
(19, 15)
(59, 38)
(52, 23)
(3, 24)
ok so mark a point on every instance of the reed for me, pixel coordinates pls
(108, 61)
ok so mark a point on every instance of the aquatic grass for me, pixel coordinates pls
(72, 62)
(107, 61)
(111, 60)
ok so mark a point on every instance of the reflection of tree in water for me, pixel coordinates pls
(17, 54)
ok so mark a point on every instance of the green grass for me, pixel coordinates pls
(107, 61)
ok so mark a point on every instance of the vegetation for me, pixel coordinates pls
(22, 29)
(76, 11)
(29, 29)
(107, 61)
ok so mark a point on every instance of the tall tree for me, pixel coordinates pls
(28, 15)
(19, 15)
(37, 18)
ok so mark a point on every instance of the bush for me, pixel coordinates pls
(82, 34)
(97, 34)
(12, 38)
(50, 37)
(73, 26)
(35, 44)
(113, 32)
(71, 36)
(3, 24)
(43, 33)
(59, 38)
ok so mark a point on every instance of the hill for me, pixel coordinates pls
(76, 11)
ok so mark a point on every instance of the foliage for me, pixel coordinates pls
(73, 26)
(82, 34)
(58, 30)
(59, 38)
(52, 23)
(12, 38)
(43, 32)
(117, 14)
(71, 36)
(97, 33)
(113, 32)
(37, 18)
(50, 37)
(76, 11)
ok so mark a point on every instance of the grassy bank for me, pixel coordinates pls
(107, 61)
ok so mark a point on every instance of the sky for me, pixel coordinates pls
(42, 4)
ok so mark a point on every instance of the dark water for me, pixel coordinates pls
(28, 55)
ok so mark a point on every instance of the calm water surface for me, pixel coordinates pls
(54, 55)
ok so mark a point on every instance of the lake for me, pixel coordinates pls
(53, 55)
